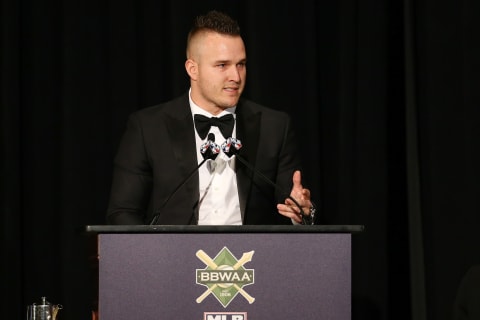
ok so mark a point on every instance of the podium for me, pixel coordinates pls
(224, 272)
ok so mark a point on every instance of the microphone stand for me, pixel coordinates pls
(209, 150)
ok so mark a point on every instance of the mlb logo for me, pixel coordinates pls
(225, 316)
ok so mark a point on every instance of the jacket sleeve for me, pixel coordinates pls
(132, 178)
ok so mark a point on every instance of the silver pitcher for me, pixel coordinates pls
(43, 311)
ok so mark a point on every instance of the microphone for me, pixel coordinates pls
(209, 150)
(232, 147)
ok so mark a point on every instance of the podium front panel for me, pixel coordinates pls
(224, 276)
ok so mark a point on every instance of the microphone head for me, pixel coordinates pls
(209, 150)
(231, 147)
(211, 137)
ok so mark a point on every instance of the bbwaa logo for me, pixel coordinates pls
(225, 276)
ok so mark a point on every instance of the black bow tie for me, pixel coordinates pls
(225, 124)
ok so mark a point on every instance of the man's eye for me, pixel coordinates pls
(221, 65)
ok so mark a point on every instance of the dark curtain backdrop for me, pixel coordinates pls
(384, 95)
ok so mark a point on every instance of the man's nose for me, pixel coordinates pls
(234, 74)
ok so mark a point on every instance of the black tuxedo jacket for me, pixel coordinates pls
(157, 152)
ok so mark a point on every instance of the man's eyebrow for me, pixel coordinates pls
(229, 61)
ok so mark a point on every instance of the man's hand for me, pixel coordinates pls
(301, 195)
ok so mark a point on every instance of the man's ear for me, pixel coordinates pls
(192, 68)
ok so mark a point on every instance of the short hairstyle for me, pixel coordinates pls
(213, 21)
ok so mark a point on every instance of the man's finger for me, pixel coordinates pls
(289, 212)
(297, 179)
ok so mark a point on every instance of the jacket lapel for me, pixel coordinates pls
(248, 132)
(181, 132)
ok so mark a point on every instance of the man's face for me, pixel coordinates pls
(219, 75)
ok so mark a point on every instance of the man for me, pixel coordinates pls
(156, 180)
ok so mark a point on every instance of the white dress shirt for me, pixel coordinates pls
(219, 203)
